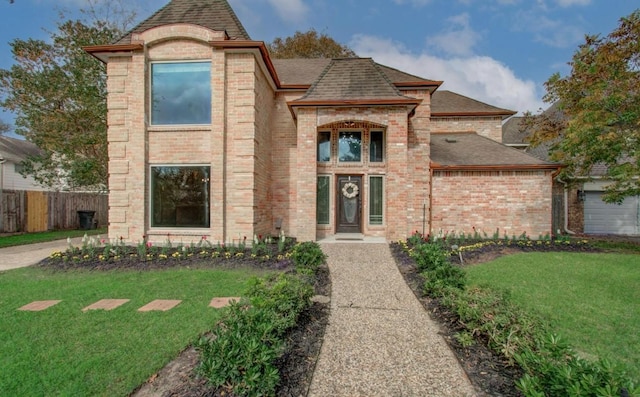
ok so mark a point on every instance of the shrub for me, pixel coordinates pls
(307, 257)
(429, 256)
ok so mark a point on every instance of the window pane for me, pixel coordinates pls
(180, 196)
(322, 207)
(350, 146)
(181, 93)
(376, 147)
(324, 146)
(375, 200)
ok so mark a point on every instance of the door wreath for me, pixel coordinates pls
(350, 190)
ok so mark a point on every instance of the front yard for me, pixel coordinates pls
(591, 299)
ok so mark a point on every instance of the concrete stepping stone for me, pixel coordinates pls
(106, 304)
(37, 306)
(220, 302)
(160, 304)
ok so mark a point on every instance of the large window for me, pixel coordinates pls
(323, 200)
(376, 146)
(350, 146)
(180, 196)
(376, 200)
(181, 93)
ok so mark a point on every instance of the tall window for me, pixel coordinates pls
(376, 200)
(350, 146)
(323, 200)
(324, 146)
(181, 93)
(180, 196)
(376, 146)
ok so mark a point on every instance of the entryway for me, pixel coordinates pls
(349, 204)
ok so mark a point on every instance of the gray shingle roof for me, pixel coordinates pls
(445, 103)
(468, 149)
(212, 14)
(17, 150)
(352, 79)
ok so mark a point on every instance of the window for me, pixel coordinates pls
(376, 200)
(324, 146)
(180, 196)
(181, 93)
(18, 167)
(323, 198)
(376, 147)
(350, 146)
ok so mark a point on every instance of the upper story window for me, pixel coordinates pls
(324, 146)
(376, 147)
(350, 146)
(180, 93)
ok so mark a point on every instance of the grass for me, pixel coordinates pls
(64, 351)
(30, 238)
(590, 299)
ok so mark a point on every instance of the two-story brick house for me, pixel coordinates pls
(209, 136)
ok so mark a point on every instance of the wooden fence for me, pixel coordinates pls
(32, 211)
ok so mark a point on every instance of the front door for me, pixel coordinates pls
(349, 203)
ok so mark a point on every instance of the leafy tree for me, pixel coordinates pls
(4, 127)
(596, 115)
(58, 94)
(309, 44)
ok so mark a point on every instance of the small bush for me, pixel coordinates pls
(429, 256)
(307, 257)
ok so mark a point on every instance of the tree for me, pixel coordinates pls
(309, 45)
(599, 103)
(58, 94)
(4, 127)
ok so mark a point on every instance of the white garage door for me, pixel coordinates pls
(604, 218)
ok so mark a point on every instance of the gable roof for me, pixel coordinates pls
(213, 14)
(468, 150)
(353, 80)
(447, 103)
(17, 150)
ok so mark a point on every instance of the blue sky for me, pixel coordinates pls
(497, 51)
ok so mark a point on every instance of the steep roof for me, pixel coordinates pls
(305, 71)
(447, 103)
(213, 14)
(17, 150)
(353, 79)
(458, 150)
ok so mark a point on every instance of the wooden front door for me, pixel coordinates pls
(349, 203)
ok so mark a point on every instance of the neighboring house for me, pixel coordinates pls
(580, 208)
(12, 153)
(209, 136)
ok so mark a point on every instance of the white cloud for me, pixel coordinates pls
(479, 77)
(415, 3)
(569, 3)
(458, 39)
(294, 11)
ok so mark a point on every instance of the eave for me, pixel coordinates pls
(246, 44)
(503, 114)
(100, 51)
(504, 167)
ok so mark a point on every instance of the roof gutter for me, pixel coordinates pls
(505, 167)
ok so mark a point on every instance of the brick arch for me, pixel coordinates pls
(178, 31)
(352, 124)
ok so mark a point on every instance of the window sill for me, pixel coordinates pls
(179, 127)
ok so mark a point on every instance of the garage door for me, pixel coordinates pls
(604, 218)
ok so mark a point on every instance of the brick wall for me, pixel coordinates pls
(490, 127)
(509, 201)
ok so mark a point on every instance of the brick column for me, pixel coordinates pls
(307, 174)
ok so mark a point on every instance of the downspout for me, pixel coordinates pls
(430, 199)
(2, 161)
(566, 208)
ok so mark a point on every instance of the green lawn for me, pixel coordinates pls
(593, 300)
(64, 351)
(30, 238)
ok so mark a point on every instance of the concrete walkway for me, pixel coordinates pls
(30, 254)
(380, 341)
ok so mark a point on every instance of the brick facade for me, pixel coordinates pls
(262, 155)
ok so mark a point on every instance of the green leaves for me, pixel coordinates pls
(596, 119)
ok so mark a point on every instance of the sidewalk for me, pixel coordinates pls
(30, 254)
(380, 341)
